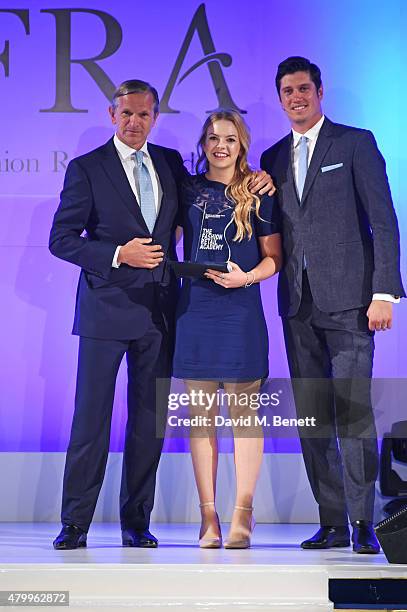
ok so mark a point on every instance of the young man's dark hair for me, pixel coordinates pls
(298, 64)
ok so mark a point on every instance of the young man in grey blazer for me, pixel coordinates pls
(340, 277)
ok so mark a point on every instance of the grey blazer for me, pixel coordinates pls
(345, 223)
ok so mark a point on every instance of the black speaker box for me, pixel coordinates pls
(392, 535)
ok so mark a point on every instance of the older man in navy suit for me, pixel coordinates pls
(124, 195)
(340, 277)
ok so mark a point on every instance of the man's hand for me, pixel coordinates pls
(380, 315)
(138, 253)
(262, 183)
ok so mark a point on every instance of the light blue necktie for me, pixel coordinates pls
(302, 173)
(302, 164)
(147, 200)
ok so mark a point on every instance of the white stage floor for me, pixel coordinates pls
(274, 574)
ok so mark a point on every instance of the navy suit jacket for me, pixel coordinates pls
(345, 223)
(97, 199)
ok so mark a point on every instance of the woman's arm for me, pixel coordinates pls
(270, 247)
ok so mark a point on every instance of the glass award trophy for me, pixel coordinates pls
(211, 249)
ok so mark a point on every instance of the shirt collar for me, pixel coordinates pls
(311, 134)
(125, 151)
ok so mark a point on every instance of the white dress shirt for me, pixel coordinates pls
(312, 136)
(127, 158)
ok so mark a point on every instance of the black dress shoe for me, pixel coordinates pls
(69, 538)
(328, 537)
(138, 538)
(364, 538)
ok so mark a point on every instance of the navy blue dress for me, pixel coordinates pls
(221, 333)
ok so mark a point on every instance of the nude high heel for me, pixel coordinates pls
(210, 542)
(242, 540)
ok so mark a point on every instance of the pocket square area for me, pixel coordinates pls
(332, 167)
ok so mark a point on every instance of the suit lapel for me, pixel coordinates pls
(285, 168)
(164, 174)
(116, 174)
(160, 166)
(287, 157)
(322, 146)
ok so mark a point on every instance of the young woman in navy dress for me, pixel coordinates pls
(221, 331)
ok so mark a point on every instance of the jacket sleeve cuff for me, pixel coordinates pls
(386, 297)
(115, 263)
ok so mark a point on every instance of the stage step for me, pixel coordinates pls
(275, 574)
(177, 586)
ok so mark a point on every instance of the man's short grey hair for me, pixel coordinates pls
(136, 86)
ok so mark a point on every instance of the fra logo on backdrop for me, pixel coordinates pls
(214, 61)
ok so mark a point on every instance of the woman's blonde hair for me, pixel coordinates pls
(238, 190)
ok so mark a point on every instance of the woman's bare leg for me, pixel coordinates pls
(248, 454)
(204, 453)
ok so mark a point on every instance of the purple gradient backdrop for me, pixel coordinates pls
(361, 49)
